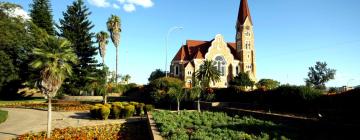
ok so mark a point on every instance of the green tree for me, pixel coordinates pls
(17, 38)
(126, 78)
(54, 63)
(102, 40)
(160, 88)
(40, 13)
(206, 73)
(114, 27)
(76, 27)
(267, 84)
(319, 75)
(156, 74)
(177, 94)
(195, 94)
(243, 80)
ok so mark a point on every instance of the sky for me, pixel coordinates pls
(290, 35)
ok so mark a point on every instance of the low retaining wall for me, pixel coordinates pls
(154, 132)
(83, 98)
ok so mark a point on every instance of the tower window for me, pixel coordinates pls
(220, 64)
(247, 44)
(247, 34)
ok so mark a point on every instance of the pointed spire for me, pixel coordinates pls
(244, 12)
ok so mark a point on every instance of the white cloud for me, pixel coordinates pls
(129, 7)
(143, 3)
(116, 6)
(99, 3)
(122, 1)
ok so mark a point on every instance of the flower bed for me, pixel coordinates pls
(101, 132)
(209, 125)
(55, 106)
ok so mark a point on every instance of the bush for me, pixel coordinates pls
(105, 112)
(139, 109)
(94, 111)
(149, 108)
(128, 111)
(3, 116)
(116, 110)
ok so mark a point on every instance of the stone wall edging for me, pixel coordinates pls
(154, 131)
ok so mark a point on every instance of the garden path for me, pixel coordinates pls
(22, 121)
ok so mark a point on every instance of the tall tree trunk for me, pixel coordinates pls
(116, 70)
(105, 98)
(49, 118)
(178, 107)
(198, 105)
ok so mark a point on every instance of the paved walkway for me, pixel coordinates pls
(22, 121)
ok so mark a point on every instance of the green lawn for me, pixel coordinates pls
(210, 125)
(3, 116)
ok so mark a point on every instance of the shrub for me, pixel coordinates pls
(108, 105)
(139, 108)
(116, 110)
(128, 111)
(105, 112)
(94, 112)
(3, 116)
(149, 108)
(134, 103)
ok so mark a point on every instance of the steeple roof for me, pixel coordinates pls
(244, 12)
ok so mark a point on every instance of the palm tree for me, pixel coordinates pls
(53, 61)
(207, 72)
(102, 39)
(114, 27)
(126, 78)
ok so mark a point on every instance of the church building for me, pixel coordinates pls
(230, 58)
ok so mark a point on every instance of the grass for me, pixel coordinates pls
(3, 116)
(210, 125)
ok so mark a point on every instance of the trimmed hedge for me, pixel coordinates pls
(117, 110)
(296, 99)
(3, 116)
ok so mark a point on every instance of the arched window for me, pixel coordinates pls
(220, 64)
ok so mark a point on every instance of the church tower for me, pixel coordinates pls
(245, 40)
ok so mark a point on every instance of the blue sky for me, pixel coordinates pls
(290, 35)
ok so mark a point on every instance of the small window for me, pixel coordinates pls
(237, 70)
(176, 70)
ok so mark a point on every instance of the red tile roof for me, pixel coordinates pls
(195, 49)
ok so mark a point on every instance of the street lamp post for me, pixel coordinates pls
(166, 45)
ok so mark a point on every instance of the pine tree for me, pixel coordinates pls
(76, 27)
(40, 14)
